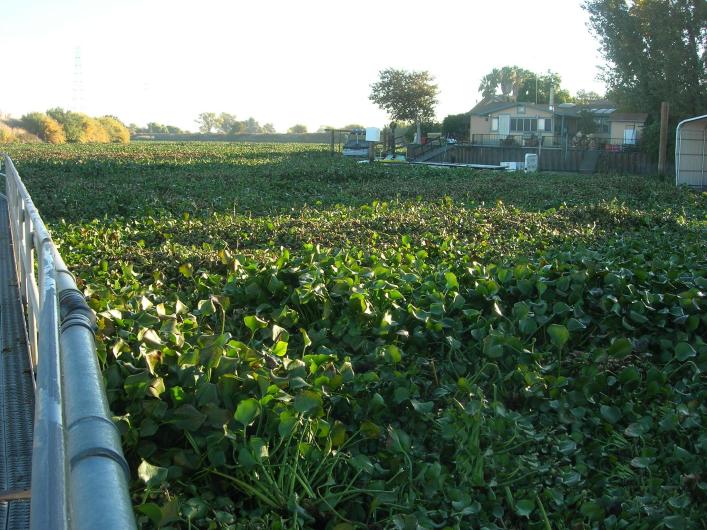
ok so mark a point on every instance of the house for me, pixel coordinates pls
(497, 121)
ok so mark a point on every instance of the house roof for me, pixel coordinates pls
(485, 107)
(638, 117)
(492, 104)
(598, 108)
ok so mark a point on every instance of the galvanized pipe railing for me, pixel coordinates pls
(79, 474)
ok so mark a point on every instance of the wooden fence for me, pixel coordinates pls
(623, 162)
(307, 138)
(630, 163)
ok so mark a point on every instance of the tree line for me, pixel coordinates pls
(410, 97)
(58, 126)
(155, 127)
(655, 51)
(225, 123)
(213, 123)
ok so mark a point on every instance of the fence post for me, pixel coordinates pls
(663, 149)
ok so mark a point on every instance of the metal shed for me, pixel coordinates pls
(690, 152)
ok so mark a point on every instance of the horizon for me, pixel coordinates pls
(251, 61)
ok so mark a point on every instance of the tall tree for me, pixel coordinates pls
(406, 96)
(510, 79)
(72, 122)
(207, 122)
(227, 123)
(489, 83)
(456, 125)
(586, 96)
(536, 88)
(155, 127)
(655, 51)
(251, 126)
(297, 129)
(44, 126)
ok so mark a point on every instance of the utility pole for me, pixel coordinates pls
(663, 149)
(536, 88)
(78, 99)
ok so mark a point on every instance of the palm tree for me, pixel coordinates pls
(489, 83)
(510, 79)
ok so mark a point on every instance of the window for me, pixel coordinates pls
(521, 109)
(602, 125)
(545, 124)
(630, 135)
(494, 124)
(524, 124)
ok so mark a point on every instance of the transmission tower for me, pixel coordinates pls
(77, 100)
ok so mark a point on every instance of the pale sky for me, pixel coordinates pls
(279, 61)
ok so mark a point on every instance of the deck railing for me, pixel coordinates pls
(508, 140)
(79, 474)
(534, 141)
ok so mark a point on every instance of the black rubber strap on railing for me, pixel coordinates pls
(103, 452)
(75, 311)
(99, 450)
(78, 320)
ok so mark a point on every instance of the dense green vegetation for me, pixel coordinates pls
(291, 341)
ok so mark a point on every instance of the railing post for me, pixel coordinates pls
(31, 293)
(49, 501)
(18, 243)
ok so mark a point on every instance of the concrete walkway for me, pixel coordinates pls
(16, 393)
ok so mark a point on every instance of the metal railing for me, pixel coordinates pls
(79, 474)
(512, 140)
(534, 141)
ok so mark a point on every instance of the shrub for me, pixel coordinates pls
(426, 127)
(47, 128)
(22, 136)
(650, 138)
(33, 122)
(72, 122)
(456, 125)
(92, 131)
(6, 134)
(117, 132)
(53, 131)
